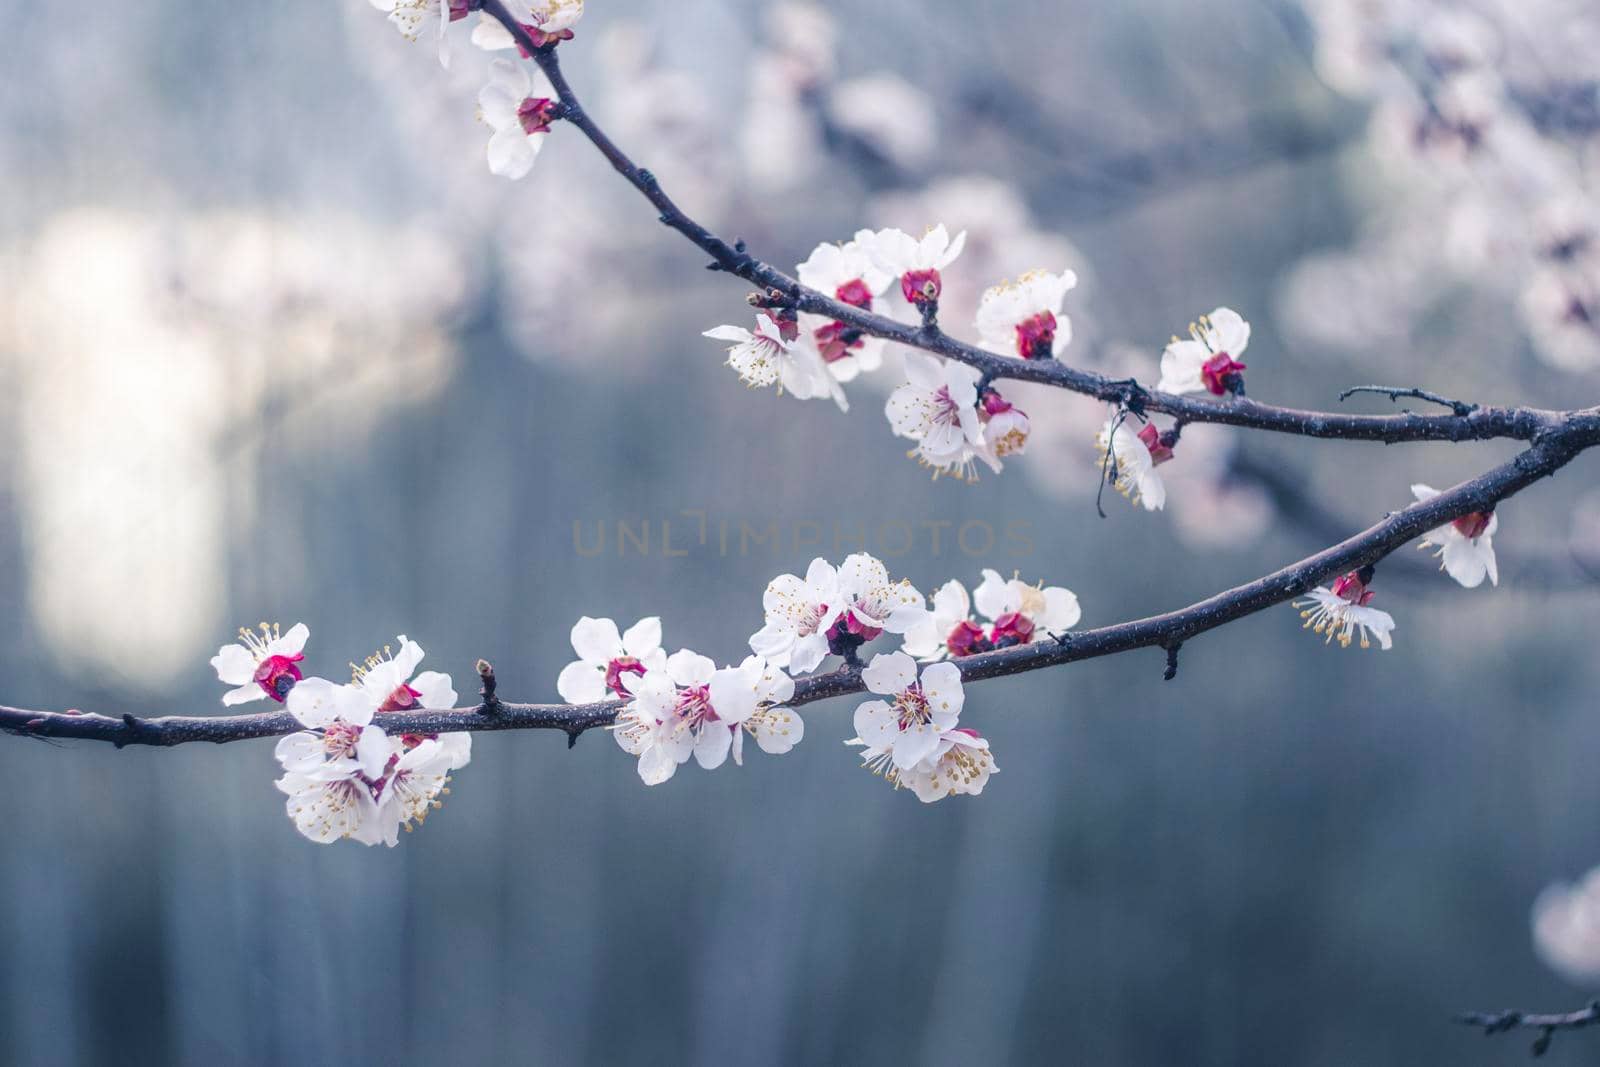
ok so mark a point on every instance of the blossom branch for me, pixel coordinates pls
(1394, 393)
(780, 289)
(1500, 1022)
(1555, 448)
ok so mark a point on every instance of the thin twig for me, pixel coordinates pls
(1500, 1022)
(1459, 408)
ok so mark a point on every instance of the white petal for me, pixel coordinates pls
(234, 665)
(581, 682)
(642, 638)
(596, 640)
(890, 673)
(435, 689)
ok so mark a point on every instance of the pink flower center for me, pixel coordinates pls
(1350, 587)
(1036, 336)
(402, 699)
(276, 675)
(912, 707)
(855, 293)
(1221, 373)
(994, 403)
(459, 9)
(540, 38)
(694, 706)
(1160, 450)
(1472, 525)
(535, 113)
(921, 287)
(854, 625)
(339, 740)
(835, 340)
(617, 668)
(1012, 628)
(967, 638)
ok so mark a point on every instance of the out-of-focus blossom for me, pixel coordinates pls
(519, 113)
(889, 114)
(1466, 546)
(264, 664)
(411, 17)
(1209, 360)
(546, 21)
(604, 656)
(1024, 318)
(1566, 928)
(1342, 612)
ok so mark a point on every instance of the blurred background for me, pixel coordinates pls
(275, 345)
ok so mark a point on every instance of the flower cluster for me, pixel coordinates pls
(344, 775)
(833, 611)
(911, 739)
(1014, 613)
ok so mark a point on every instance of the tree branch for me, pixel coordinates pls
(1553, 450)
(1500, 1022)
(1482, 424)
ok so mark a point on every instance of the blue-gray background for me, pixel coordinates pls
(419, 377)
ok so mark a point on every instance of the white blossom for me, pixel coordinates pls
(411, 17)
(766, 357)
(937, 408)
(1016, 613)
(1130, 462)
(1209, 360)
(907, 729)
(960, 765)
(329, 768)
(1341, 612)
(689, 708)
(1024, 318)
(264, 664)
(545, 21)
(806, 617)
(388, 681)
(915, 262)
(1566, 928)
(605, 655)
(519, 108)
(846, 273)
(1466, 545)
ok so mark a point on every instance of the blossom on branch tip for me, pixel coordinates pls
(411, 16)
(915, 262)
(1466, 545)
(906, 730)
(1024, 318)
(519, 109)
(264, 664)
(604, 656)
(1341, 612)
(1129, 459)
(547, 21)
(937, 407)
(1209, 360)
